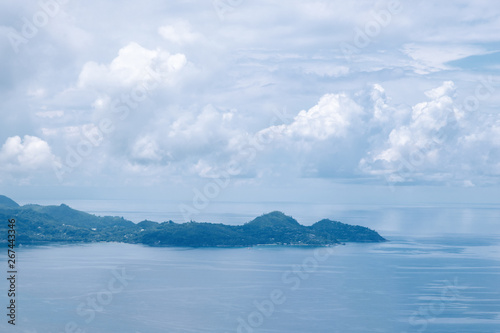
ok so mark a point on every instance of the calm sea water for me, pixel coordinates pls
(440, 272)
(422, 284)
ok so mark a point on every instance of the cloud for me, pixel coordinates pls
(439, 142)
(325, 69)
(218, 84)
(193, 138)
(50, 114)
(180, 32)
(133, 65)
(26, 156)
(345, 135)
(429, 58)
(364, 135)
(417, 144)
(318, 142)
(146, 149)
(334, 115)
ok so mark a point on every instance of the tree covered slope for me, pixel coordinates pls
(39, 224)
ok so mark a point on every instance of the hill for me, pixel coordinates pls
(7, 202)
(41, 224)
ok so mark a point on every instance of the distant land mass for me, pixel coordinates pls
(37, 224)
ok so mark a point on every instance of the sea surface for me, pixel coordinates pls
(424, 284)
(430, 279)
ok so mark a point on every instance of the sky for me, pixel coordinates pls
(376, 102)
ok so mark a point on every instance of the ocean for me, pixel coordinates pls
(446, 280)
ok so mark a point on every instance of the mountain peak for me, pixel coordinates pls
(274, 219)
(346, 232)
(8, 202)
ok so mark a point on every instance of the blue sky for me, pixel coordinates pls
(390, 102)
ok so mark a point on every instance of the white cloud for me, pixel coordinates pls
(26, 155)
(383, 112)
(50, 114)
(343, 135)
(133, 65)
(438, 142)
(325, 69)
(193, 138)
(180, 32)
(429, 58)
(146, 149)
(427, 119)
(205, 128)
(68, 134)
(263, 57)
(334, 115)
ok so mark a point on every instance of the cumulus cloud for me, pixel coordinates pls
(26, 156)
(146, 149)
(184, 143)
(316, 142)
(334, 115)
(363, 134)
(360, 118)
(344, 135)
(383, 114)
(439, 143)
(133, 65)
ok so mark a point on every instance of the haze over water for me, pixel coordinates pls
(425, 219)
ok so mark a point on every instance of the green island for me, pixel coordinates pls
(37, 224)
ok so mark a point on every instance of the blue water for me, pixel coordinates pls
(410, 284)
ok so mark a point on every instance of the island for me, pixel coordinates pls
(36, 224)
